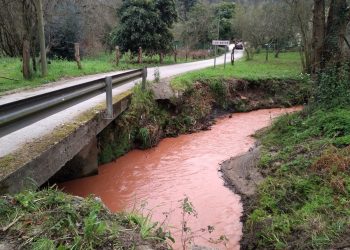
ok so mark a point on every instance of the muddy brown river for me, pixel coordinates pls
(188, 165)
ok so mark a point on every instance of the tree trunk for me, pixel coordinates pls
(77, 55)
(39, 7)
(338, 18)
(248, 53)
(306, 45)
(26, 60)
(318, 34)
(267, 54)
(34, 62)
(277, 53)
(302, 58)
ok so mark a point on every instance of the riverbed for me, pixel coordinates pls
(157, 179)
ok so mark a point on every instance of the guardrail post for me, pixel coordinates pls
(144, 78)
(109, 103)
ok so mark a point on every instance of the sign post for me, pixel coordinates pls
(225, 59)
(217, 43)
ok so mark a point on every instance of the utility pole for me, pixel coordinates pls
(40, 15)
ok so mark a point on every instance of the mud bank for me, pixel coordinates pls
(303, 203)
(242, 176)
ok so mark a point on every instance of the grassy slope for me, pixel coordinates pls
(11, 68)
(49, 219)
(287, 66)
(305, 201)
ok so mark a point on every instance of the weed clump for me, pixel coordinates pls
(50, 219)
(304, 201)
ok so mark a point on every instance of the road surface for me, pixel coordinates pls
(11, 140)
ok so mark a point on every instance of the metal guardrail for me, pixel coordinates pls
(10, 112)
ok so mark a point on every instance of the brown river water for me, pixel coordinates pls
(156, 179)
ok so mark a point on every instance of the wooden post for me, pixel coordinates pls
(233, 56)
(140, 56)
(161, 57)
(77, 55)
(144, 78)
(39, 7)
(225, 58)
(216, 48)
(117, 55)
(175, 54)
(187, 53)
(26, 60)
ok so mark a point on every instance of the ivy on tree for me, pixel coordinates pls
(146, 24)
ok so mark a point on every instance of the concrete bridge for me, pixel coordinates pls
(70, 152)
(62, 145)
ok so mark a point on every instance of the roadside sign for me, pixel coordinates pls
(218, 43)
(221, 42)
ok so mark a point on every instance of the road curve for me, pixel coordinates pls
(11, 141)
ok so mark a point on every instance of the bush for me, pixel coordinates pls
(333, 88)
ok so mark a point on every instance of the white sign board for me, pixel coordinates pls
(221, 42)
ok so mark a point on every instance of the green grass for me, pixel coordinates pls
(305, 201)
(58, 69)
(50, 219)
(287, 66)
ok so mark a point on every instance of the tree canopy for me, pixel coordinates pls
(146, 24)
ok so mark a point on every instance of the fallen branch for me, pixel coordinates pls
(4, 229)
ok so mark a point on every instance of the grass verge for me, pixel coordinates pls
(49, 219)
(58, 69)
(304, 203)
(287, 66)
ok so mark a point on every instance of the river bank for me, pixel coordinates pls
(301, 199)
(148, 121)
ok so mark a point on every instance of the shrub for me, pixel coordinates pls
(333, 88)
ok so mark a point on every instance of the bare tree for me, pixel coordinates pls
(41, 31)
(318, 35)
(337, 21)
(302, 13)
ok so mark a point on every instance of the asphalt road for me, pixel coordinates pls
(12, 138)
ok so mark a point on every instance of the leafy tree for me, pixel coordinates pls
(146, 24)
(225, 12)
(201, 25)
(184, 7)
(199, 29)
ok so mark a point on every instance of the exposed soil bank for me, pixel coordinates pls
(148, 121)
(241, 172)
(303, 202)
(242, 175)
